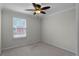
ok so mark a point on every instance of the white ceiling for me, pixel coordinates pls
(20, 7)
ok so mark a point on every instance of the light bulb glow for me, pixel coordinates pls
(37, 11)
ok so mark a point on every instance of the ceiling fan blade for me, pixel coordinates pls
(34, 13)
(36, 5)
(45, 8)
(29, 9)
(43, 12)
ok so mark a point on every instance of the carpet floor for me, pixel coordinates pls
(38, 49)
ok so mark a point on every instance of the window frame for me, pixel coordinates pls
(13, 27)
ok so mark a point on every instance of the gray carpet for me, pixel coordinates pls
(38, 49)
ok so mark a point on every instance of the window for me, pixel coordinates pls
(19, 27)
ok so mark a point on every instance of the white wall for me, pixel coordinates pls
(59, 30)
(33, 28)
(0, 30)
(77, 27)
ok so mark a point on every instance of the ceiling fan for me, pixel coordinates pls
(38, 9)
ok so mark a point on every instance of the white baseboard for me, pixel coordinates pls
(60, 48)
(18, 46)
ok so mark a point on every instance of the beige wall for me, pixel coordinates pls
(33, 30)
(59, 30)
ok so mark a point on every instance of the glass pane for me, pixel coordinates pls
(19, 27)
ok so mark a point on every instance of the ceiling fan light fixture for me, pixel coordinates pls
(38, 11)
